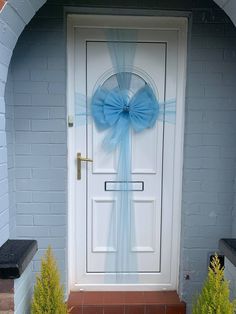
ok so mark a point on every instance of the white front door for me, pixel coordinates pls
(155, 222)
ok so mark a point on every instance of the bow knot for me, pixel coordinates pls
(117, 110)
(126, 108)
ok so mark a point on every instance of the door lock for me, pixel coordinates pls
(79, 159)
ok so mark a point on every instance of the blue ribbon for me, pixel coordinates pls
(118, 110)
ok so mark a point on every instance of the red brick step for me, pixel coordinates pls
(120, 302)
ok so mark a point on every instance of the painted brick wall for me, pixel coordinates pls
(210, 151)
(10, 134)
(40, 138)
(23, 290)
(38, 69)
(234, 212)
(13, 19)
(4, 201)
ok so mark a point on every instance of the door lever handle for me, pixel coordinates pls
(84, 158)
(79, 159)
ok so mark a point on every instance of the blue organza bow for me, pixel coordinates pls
(120, 111)
(117, 110)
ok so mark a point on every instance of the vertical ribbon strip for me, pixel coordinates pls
(120, 110)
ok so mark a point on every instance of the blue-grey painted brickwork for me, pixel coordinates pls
(230, 274)
(40, 140)
(38, 78)
(209, 158)
(10, 152)
(13, 18)
(234, 212)
(23, 290)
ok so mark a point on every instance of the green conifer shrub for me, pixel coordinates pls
(48, 295)
(214, 297)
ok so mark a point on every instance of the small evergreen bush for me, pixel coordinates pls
(48, 295)
(214, 297)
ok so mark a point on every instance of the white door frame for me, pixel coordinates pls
(161, 23)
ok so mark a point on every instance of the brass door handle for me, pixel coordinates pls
(79, 159)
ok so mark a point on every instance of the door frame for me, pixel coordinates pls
(179, 24)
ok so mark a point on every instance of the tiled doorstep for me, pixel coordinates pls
(125, 303)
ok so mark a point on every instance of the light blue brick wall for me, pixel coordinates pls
(210, 149)
(10, 134)
(234, 214)
(230, 274)
(7, 41)
(4, 201)
(38, 69)
(40, 139)
(23, 290)
(13, 18)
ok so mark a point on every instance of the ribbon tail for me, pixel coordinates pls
(123, 214)
(116, 134)
(126, 263)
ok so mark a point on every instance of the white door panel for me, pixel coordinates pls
(146, 158)
(152, 166)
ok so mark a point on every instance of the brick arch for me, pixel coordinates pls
(16, 14)
(229, 6)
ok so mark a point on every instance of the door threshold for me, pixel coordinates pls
(122, 302)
